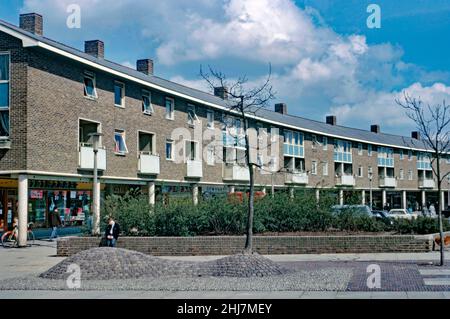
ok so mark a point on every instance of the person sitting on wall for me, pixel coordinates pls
(112, 232)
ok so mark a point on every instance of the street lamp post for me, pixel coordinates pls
(95, 186)
(370, 196)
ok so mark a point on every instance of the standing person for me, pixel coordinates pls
(112, 232)
(55, 222)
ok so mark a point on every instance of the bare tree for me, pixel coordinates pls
(242, 102)
(433, 124)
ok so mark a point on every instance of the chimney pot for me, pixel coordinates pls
(281, 108)
(375, 128)
(95, 48)
(145, 66)
(32, 22)
(331, 119)
(221, 92)
(415, 135)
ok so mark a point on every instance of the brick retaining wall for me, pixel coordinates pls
(227, 245)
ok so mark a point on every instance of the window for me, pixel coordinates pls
(402, 155)
(170, 108)
(85, 131)
(293, 143)
(342, 151)
(325, 143)
(402, 174)
(448, 160)
(360, 171)
(360, 149)
(410, 155)
(385, 157)
(210, 153)
(191, 149)
(119, 94)
(89, 85)
(191, 115)
(314, 141)
(210, 119)
(314, 168)
(4, 95)
(169, 150)
(147, 107)
(369, 150)
(325, 168)
(410, 175)
(146, 143)
(423, 161)
(120, 146)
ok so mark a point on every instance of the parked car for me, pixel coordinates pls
(356, 209)
(382, 216)
(401, 213)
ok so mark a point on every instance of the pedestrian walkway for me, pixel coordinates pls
(435, 276)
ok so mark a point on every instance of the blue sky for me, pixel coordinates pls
(325, 60)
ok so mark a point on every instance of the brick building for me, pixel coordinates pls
(169, 140)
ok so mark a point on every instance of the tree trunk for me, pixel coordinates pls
(441, 229)
(249, 240)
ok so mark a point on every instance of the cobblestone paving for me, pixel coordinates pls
(116, 263)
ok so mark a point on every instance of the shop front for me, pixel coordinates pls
(73, 200)
(8, 203)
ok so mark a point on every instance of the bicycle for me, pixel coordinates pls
(10, 240)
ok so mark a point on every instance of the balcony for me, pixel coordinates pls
(234, 172)
(388, 182)
(148, 164)
(345, 180)
(194, 169)
(297, 178)
(86, 158)
(426, 183)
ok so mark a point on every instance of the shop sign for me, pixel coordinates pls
(36, 194)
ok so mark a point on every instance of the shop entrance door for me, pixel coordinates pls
(8, 208)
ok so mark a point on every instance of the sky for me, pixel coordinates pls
(324, 58)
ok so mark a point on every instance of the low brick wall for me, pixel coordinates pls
(267, 245)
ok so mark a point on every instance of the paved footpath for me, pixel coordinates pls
(408, 275)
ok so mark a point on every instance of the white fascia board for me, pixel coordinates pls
(29, 42)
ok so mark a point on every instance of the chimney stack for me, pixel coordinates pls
(415, 135)
(95, 48)
(331, 119)
(221, 92)
(375, 128)
(145, 66)
(281, 108)
(32, 22)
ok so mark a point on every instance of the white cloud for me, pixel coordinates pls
(315, 69)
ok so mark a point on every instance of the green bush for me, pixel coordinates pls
(219, 216)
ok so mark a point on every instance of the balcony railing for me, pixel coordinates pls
(297, 178)
(194, 169)
(388, 182)
(345, 180)
(148, 164)
(86, 158)
(426, 183)
(235, 172)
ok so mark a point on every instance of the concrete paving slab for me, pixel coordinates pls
(388, 295)
(437, 281)
(354, 295)
(319, 295)
(434, 271)
(425, 295)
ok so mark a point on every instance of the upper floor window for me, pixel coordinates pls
(147, 106)
(119, 94)
(402, 155)
(423, 161)
(324, 143)
(360, 149)
(314, 168)
(169, 150)
(4, 95)
(402, 174)
(146, 143)
(170, 108)
(210, 118)
(410, 175)
(191, 150)
(314, 141)
(325, 168)
(385, 156)
(369, 150)
(192, 118)
(342, 151)
(360, 171)
(120, 146)
(89, 85)
(293, 143)
(410, 155)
